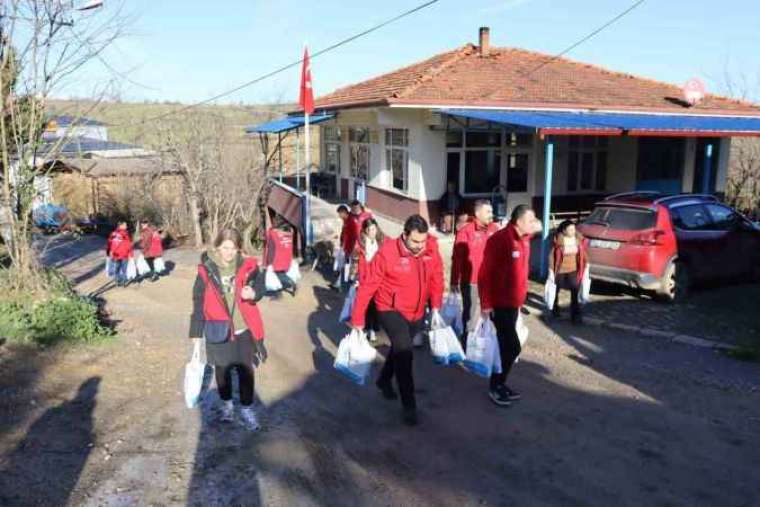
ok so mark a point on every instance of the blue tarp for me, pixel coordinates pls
(286, 123)
(622, 122)
(50, 216)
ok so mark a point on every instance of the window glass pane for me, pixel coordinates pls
(626, 219)
(399, 163)
(660, 158)
(332, 134)
(723, 219)
(689, 218)
(396, 137)
(483, 139)
(332, 157)
(519, 140)
(481, 171)
(359, 161)
(587, 170)
(572, 171)
(358, 135)
(454, 138)
(601, 170)
(517, 173)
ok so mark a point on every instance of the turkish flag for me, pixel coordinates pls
(306, 97)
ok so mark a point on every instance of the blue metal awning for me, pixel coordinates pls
(634, 124)
(287, 123)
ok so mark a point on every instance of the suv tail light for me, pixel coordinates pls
(649, 238)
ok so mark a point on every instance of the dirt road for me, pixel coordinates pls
(606, 418)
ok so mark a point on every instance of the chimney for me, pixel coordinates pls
(484, 37)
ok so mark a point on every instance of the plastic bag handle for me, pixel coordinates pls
(196, 351)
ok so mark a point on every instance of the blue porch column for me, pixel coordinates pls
(548, 170)
(707, 170)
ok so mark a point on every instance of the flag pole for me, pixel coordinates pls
(307, 159)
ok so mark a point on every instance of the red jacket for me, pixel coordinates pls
(401, 282)
(354, 226)
(503, 279)
(581, 257)
(279, 249)
(209, 304)
(151, 243)
(469, 246)
(119, 245)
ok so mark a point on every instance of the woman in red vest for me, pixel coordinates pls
(370, 241)
(225, 293)
(279, 255)
(152, 246)
(568, 259)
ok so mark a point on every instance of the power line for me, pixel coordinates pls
(285, 67)
(587, 37)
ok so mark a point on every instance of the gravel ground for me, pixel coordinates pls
(607, 418)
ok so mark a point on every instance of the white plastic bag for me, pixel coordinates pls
(456, 353)
(584, 295)
(483, 349)
(110, 269)
(131, 270)
(194, 371)
(143, 268)
(355, 356)
(294, 273)
(452, 312)
(444, 343)
(340, 259)
(522, 330)
(348, 305)
(550, 291)
(271, 281)
(158, 265)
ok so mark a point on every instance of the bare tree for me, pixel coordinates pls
(221, 175)
(43, 43)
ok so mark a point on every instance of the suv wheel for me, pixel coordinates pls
(675, 283)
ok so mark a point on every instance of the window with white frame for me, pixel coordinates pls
(397, 157)
(331, 138)
(358, 145)
(587, 163)
(482, 153)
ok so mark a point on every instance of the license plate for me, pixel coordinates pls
(603, 243)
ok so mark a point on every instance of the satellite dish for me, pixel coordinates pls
(694, 91)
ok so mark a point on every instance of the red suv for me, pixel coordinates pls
(665, 243)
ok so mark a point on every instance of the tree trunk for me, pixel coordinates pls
(195, 213)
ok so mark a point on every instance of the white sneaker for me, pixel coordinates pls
(227, 411)
(249, 419)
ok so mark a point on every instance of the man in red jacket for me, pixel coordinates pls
(404, 275)
(119, 249)
(467, 258)
(503, 288)
(355, 221)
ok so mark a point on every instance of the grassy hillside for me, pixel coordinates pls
(136, 122)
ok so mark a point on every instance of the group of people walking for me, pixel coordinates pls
(397, 283)
(120, 252)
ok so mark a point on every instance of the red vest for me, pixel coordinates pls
(215, 308)
(279, 249)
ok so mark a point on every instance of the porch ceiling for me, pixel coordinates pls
(286, 124)
(615, 124)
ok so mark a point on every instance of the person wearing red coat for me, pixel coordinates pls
(404, 276)
(568, 259)
(119, 249)
(354, 226)
(503, 289)
(279, 254)
(225, 293)
(469, 245)
(152, 247)
(370, 242)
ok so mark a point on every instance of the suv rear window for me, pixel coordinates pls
(623, 219)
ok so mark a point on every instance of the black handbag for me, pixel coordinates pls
(217, 331)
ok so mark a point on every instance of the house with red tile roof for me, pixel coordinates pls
(505, 121)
